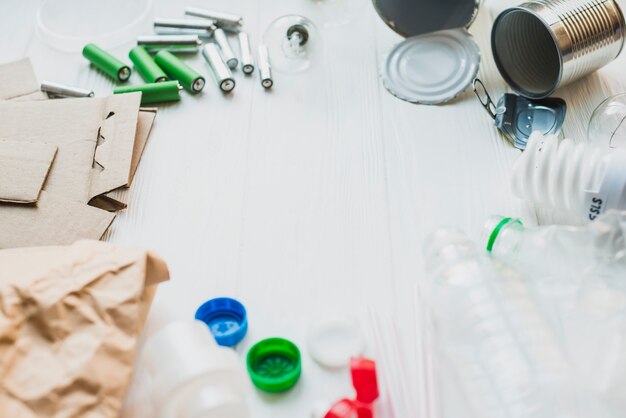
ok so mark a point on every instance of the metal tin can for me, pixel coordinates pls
(544, 44)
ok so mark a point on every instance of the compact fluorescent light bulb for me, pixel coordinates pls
(587, 180)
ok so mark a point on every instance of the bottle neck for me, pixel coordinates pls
(502, 236)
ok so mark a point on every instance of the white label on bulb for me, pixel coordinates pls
(612, 192)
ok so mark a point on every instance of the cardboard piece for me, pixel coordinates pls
(70, 322)
(24, 167)
(53, 219)
(99, 143)
(18, 82)
(95, 139)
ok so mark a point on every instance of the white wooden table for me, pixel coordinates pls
(311, 198)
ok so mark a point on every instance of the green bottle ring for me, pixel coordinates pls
(274, 365)
(498, 228)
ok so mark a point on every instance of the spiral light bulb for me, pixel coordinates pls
(578, 178)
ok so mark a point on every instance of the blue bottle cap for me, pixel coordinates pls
(226, 318)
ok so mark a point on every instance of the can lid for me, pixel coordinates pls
(333, 340)
(432, 68)
(226, 318)
(274, 364)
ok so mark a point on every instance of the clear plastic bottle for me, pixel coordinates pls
(581, 272)
(183, 373)
(555, 251)
(491, 330)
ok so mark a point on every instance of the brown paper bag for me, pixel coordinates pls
(70, 320)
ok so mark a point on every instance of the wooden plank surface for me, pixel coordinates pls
(312, 198)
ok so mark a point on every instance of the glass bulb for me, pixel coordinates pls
(607, 126)
(293, 42)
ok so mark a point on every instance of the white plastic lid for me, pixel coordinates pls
(332, 341)
(69, 25)
(432, 68)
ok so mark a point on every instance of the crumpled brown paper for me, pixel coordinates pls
(70, 320)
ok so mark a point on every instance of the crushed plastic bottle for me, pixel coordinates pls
(491, 331)
(581, 271)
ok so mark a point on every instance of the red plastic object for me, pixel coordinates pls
(364, 379)
(342, 409)
(365, 383)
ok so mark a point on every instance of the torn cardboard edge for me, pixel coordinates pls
(52, 220)
(73, 202)
(18, 81)
(24, 167)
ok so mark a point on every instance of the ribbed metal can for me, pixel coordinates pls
(544, 44)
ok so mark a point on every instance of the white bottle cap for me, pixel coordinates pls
(333, 340)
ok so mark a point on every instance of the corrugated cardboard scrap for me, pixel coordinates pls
(24, 167)
(98, 143)
(70, 321)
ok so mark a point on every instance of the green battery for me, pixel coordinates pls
(106, 62)
(145, 65)
(165, 91)
(178, 70)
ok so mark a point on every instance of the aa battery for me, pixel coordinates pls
(227, 52)
(106, 62)
(265, 67)
(247, 62)
(189, 78)
(226, 21)
(166, 91)
(200, 27)
(58, 90)
(172, 43)
(145, 65)
(221, 72)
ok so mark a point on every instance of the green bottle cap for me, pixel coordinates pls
(274, 365)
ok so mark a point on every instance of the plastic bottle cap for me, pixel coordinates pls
(274, 364)
(364, 379)
(332, 341)
(226, 318)
(495, 225)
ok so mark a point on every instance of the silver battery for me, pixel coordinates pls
(58, 90)
(172, 43)
(265, 67)
(168, 26)
(227, 52)
(247, 62)
(226, 21)
(541, 45)
(221, 73)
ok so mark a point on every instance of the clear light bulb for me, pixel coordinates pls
(294, 43)
(579, 178)
(607, 126)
